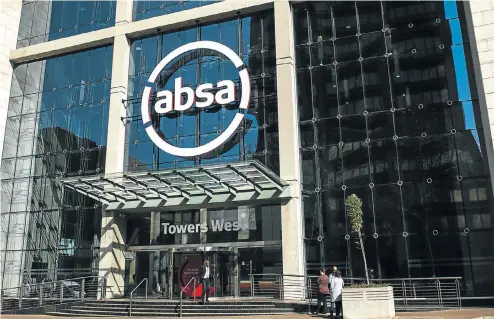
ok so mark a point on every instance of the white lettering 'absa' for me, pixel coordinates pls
(183, 98)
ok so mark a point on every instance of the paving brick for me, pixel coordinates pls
(486, 70)
(484, 32)
(489, 85)
(477, 19)
(479, 6)
(482, 46)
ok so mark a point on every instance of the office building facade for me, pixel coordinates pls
(144, 136)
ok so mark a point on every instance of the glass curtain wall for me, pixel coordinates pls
(144, 9)
(43, 21)
(252, 39)
(56, 127)
(388, 111)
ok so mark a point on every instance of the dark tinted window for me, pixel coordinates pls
(388, 111)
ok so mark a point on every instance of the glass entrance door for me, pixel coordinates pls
(224, 269)
(185, 267)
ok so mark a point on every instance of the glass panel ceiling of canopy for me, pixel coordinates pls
(194, 185)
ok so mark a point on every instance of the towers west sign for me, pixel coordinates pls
(215, 225)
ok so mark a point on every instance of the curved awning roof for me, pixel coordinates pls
(208, 184)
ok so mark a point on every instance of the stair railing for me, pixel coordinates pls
(34, 295)
(182, 293)
(132, 294)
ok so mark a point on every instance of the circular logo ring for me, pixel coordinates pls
(230, 130)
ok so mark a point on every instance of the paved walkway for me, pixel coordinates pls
(287, 316)
(467, 313)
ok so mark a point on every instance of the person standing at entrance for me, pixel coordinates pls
(165, 274)
(336, 289)
(332, 275)
(323, 291)
(205, 277)
(156, 278)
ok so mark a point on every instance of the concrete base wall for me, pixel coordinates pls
(368, 303)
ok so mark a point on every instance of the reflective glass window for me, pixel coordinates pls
(43, 21)
(256, 138)
(145, 9)
(56, 127)
(388, 111)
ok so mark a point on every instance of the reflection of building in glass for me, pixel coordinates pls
(379, 99)
(258, 137)
(43, 21)
(393, 121)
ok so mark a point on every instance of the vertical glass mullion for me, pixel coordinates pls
(340, 144)
(263, 79)
(240, 54)
(392, 98)
(156, 151)
(314, 120)
(318, 206)
(371, 176)
(197, 118)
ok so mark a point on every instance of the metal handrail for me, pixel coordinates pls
(457, 285)
(409, 293)
(32, 295)
(193, 279)
(358, 278)
(51, 282)
(132, 293)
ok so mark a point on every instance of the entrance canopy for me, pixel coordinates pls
(210, 184)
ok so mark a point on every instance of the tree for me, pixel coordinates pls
(354, 213)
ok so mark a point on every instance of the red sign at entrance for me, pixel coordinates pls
(191, 265)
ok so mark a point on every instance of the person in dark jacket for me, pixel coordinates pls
(205, 274)
(322, 292)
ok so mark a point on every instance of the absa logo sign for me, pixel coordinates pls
(172, 101)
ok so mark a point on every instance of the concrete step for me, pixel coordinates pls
(163, 315)
(192, 307)
(171, 308)
(66, 314)
(175, 302)
(184, 310)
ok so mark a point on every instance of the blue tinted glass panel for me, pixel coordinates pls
(43, 21)
(145, 9)
(256, 138)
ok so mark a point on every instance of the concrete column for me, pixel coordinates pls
(112, 247)
(291, 213)
(113, 224)
(115, 148)
(203, 217)
(123, 12)
(154, 232)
